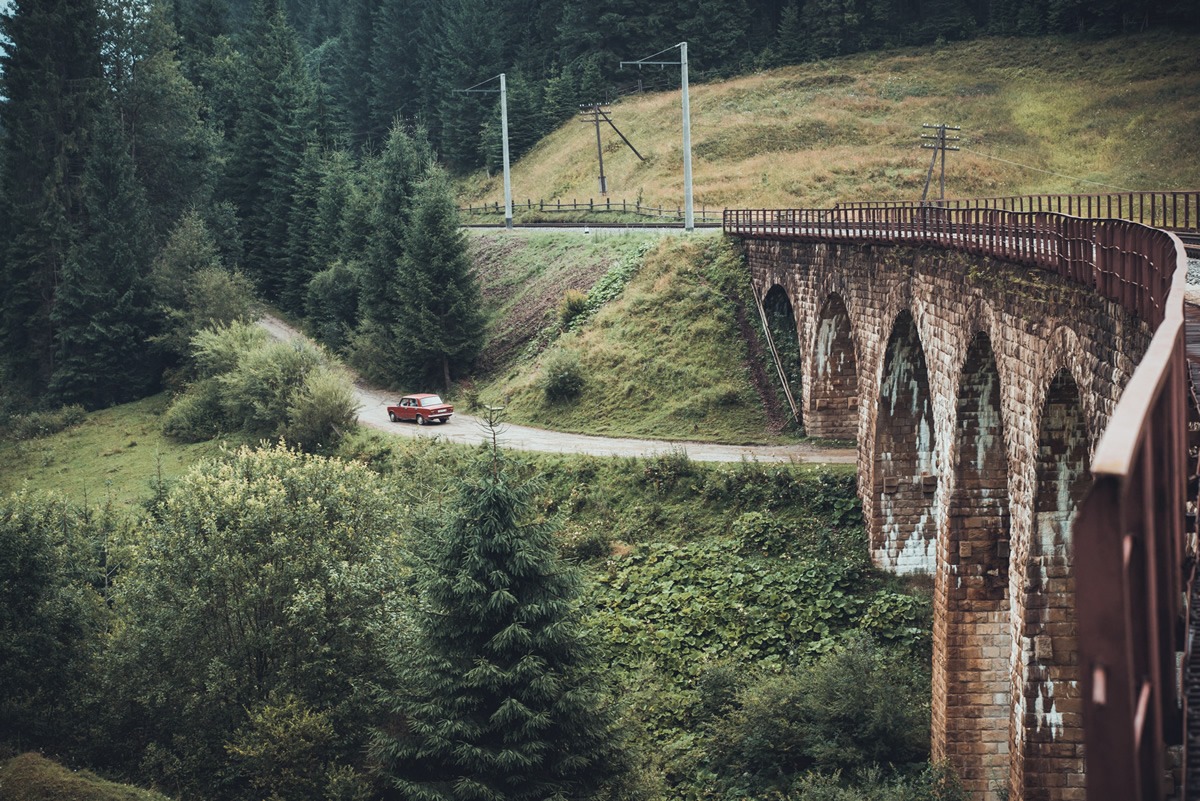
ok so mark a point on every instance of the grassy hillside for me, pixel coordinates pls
(1117, 111)
(114, 454)
(674, 354)
(30, 777)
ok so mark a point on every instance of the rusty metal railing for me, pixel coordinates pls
(1128, 263)
(1130, 545)
(1129, 537)
(1175, 210)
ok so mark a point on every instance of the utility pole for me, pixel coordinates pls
(938, 144)
(595, 109)
(508, 212)
(688, 216)
(593, 113)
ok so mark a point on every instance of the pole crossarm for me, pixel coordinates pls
(648, 62)
(476, 88)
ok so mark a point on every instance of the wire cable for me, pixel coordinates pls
(1047, 172)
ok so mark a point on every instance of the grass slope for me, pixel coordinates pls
(1119, 111)
(115, 454)
(524, 276)
(671, 357)
(30, 777)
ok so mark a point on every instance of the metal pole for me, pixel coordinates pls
(599, 149)
(942, 144)
(508, 212)
(688, 221)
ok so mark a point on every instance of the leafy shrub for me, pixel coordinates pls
(573, 304)
(856, 706)
(331, 304)
(283, 750)
(196, 415)
(51, 618)
(259, 394)
(33, 425)
(665, 470)
(322, 412)
(220, 349)
(264, 576)
(562, 376)
(262, 388)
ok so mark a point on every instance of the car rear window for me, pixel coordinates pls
(432, 400)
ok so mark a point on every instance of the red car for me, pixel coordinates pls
(423, 408)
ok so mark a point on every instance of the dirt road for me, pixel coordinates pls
(464, 428)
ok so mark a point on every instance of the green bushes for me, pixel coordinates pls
(264, 389)
(32, 425)
(573, 304)
(562, 376)
(854, 707)
(256, 623)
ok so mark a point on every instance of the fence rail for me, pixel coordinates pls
(605, 206)
(1172, 210)
(1129, 537)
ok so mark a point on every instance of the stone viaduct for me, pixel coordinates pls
(977, 391)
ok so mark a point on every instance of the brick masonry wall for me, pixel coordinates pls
(982, 388)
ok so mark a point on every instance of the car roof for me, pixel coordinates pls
(420, 395)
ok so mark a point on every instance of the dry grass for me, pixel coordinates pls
(1117, 111)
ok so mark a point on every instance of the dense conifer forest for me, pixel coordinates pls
(158, 156)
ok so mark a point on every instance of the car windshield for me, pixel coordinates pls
(432, 400)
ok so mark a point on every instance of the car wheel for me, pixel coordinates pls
(420, 420)
(392, 416)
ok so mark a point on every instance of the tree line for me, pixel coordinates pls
(159, 158)
(374, 60)
(157, 180)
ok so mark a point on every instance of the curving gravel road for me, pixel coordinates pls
(464, 428)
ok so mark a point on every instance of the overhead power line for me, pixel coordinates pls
(1047, 172)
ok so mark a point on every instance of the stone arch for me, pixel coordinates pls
(904, 527)
(785, 334)
(832, 410)
(1053, 761)
(971, 659)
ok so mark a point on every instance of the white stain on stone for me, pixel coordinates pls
(1045, 708)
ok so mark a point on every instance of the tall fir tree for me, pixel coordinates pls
(439, 325)
(51, 83)
(352, 81)
(502, 699)
(395, 175)
(273, 130)
(102, 312)
(461, 50)
(173, 149)
(395, 63)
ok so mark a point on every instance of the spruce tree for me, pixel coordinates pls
(439, 324)
(502, 700)
(400, 167)
(174, 151)
(102, 313)
(273, 125)
(395, 63)
(51, 84)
